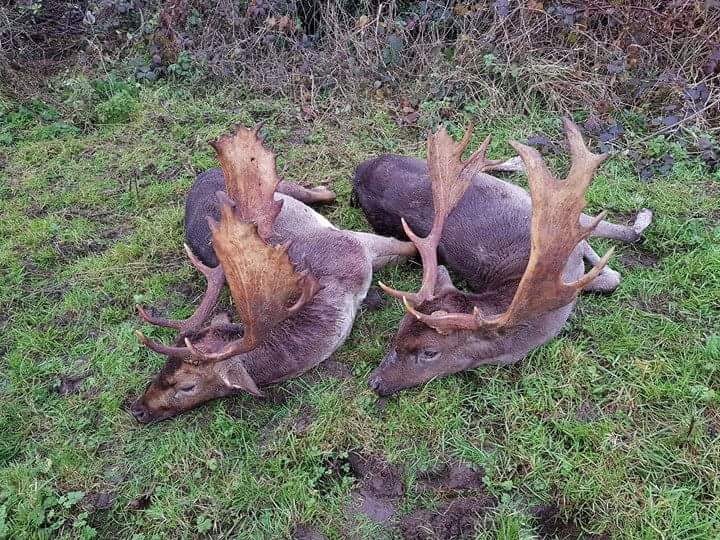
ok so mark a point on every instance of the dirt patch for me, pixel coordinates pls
(659, 303)
(303, 420)
(336, 370)
(374, 301)
(551, 524)
(305, 532)
(69, 251)
(451, 476)
(337, 468)
(142, 501)
(587, 412)
(455, 519)
(170, 174)
(712, 416)
(70, 384)
(379, 489)
(67, 319)
(102, 500)
(639, 259)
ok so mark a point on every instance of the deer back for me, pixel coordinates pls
(486, 239)
(201, 202)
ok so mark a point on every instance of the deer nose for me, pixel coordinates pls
(374, 382)
(140, 412)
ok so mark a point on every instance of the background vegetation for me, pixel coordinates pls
(610, 430)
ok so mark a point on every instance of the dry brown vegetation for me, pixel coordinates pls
(662, 57)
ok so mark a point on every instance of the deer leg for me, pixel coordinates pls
(607, 280)
(624, 233)
(318, 194)
(384, 251)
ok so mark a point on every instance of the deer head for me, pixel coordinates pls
(446, 330)
(206, 362)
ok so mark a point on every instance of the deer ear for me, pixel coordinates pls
(234, 375)
(443, 283)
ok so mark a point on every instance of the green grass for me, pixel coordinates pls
(617, 421)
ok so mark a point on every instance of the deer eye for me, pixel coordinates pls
(187, 388)
(428, 355)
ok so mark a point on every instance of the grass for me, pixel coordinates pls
(616, 422)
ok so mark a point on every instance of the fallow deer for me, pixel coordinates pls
(296, 283)
(523, 256)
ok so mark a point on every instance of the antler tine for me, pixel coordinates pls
(450, 177)
(215, 280)
(555, 232)
(159, 348)
(583, 162)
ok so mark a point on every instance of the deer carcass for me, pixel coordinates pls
(296, 283)
(522, 255)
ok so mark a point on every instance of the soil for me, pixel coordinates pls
(336, 370)
(455, 519)
(551, 524)
(305, 532)
(712, 415)
(658, 303)
(142, 501)
(303, 421)
(299, 136)
(639, 259)
(337, 468)
(102, 500)
(71, 384)
(587, 412)
(380, 487)
(451, 477)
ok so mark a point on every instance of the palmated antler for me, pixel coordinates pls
(215, 280)
(555, 232)
(263, 282)
(450, 177)
(250, 177)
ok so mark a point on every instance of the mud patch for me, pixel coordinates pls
(659, 303)
(303, 420)
(300, 135)
(102, 500)
(69, 251)
(455, 519)
(587, 412)
(70, 384)
(336, 370)
(337, 468)
(639, 259)
(142, 501)
(170, 174)
(379, 490)
(712, 417)
(451, 476)
(551, 524)
(305, 532)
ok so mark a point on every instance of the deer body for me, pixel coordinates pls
(485, 239)
(342, 264)
(332, 269)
